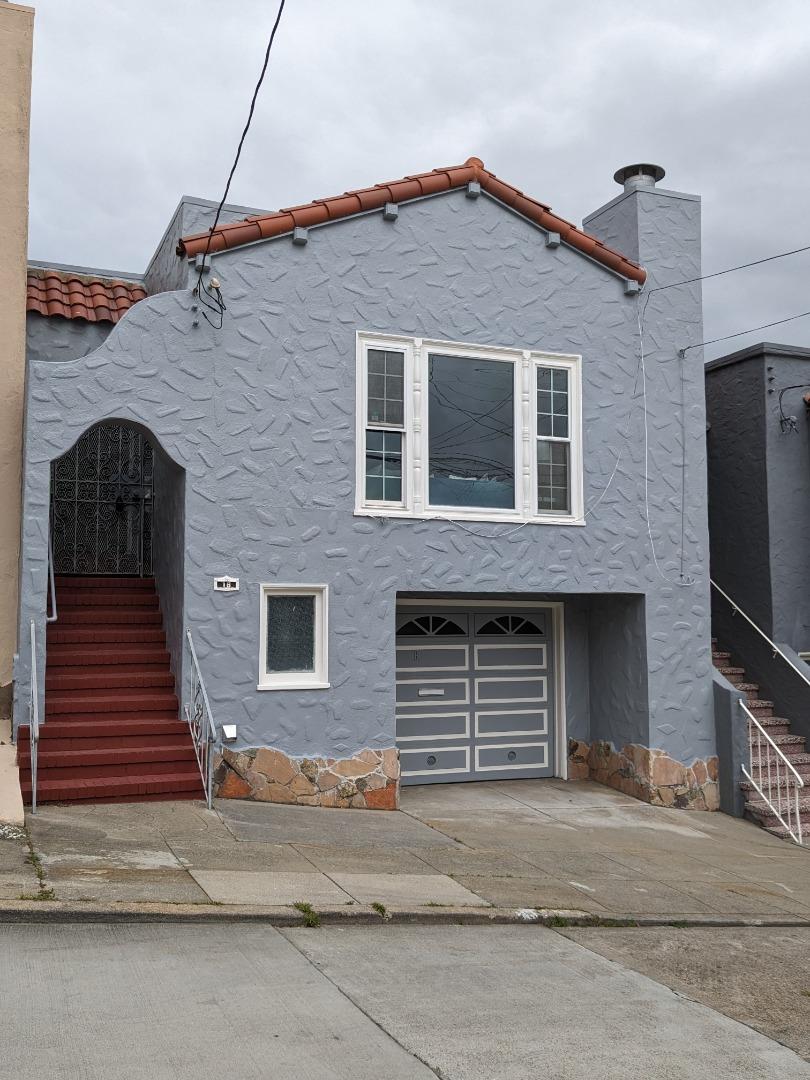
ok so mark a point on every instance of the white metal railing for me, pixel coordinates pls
(51, 585)
(776, 650)
(200, 721)
(774, 777)
(33, 718)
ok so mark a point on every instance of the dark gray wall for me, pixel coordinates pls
(738, 486)
(759, 489)
(261, 415)
(168, 552)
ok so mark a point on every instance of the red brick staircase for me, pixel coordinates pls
(792, 746)
(110, 731)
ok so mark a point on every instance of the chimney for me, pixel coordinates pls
(654, 226)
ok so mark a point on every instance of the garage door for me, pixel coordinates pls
(475, 694)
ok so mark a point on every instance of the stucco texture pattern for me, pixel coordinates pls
(261, 416)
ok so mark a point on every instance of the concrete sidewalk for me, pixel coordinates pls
(480, 850)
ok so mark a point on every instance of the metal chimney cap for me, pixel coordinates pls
(641, 175)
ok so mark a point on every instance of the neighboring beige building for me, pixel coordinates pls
(16, 37)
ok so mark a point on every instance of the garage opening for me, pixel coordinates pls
(477, 691)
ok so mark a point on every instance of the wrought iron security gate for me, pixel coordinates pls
(101, 504)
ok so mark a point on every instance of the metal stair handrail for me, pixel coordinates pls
(33, 717)
(776, 650)
(774, 772)
(54, 615)
(201, 722)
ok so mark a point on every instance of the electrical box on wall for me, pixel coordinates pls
(226, 584)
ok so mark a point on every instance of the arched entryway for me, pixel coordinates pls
(112, 727)
(102, 498)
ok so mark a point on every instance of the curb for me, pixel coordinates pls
(58, 911)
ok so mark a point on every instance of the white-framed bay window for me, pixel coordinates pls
(293, 635)
(479, 433)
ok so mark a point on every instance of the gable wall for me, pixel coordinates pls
(262, 416)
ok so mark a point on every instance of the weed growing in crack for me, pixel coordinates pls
(380, 909)
(310, 915)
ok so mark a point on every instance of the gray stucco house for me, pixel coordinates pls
(399, 465)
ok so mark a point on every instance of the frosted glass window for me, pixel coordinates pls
(290, 634)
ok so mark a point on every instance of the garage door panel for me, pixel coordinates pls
(434, 761)
(416, 692)
(504, 657)
(433, 657)
(508, 757)
(507, 689)
(425, 727)
(511, 722)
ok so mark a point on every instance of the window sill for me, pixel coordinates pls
(294, 684)
(466, 515)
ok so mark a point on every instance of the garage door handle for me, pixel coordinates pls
(431, 693)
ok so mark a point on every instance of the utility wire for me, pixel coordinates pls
(200, 286)
(742, 333)
(730, 270)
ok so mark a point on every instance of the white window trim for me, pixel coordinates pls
(296, 680)
(414, 503)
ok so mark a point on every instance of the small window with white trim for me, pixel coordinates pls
(479, 433)
(385, 425)
(293, 637)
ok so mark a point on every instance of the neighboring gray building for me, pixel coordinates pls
(759, 485)
(395, 490)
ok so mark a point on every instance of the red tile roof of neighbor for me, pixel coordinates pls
(264, 226)
(81, 296)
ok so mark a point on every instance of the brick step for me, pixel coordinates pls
(128, 734)
(719, 657)
(105, 635)
(110, 616)
(184, 764)
(88, 702)
(730, 671)
(97, 678)
(68, 599)
(785, 744)
(786, 780)
(90, 655)
(751, 688)
(774, 725)
(783, 834)
(763, 813)
(93, 789)
(66, 581)
(760, 708)
(50, 757)
(102, 727)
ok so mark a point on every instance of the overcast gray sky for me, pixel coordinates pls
(137, 104)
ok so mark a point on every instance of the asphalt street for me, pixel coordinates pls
(170, 1002)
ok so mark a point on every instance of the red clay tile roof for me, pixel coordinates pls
(79, 296)
(412, 187)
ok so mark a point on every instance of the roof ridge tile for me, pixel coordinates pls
(258, 227)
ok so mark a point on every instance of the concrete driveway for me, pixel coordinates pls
(523, 844)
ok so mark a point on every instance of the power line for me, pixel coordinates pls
(742, 333)
(218, 304)
(730, 270)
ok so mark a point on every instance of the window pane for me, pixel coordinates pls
(290, 633)
(552, 477)
(471, 434)
(552, 404)
(385, 387)
(384, 466)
